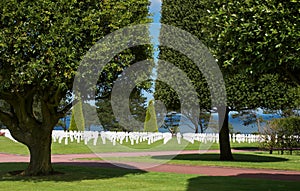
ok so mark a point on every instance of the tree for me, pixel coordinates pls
(63, 123)
(203, 122)
(73, 126)
(252, 42)
(2, 105)
(261, 33)
(171, 122)
(150, 124)
(77, 122)
(1, 125)
(106, 116)
(249, 117)
(283, 134)
(90, 117)
(41, 45)
(137, 105)
(170, 98)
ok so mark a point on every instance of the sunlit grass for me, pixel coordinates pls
(75, 178)
(261, 160)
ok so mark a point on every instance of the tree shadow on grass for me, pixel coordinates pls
(290, 177)
(69, 172)
(216, 157)
(234, 183)
(247, 148)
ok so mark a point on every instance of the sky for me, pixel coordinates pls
(155, 9)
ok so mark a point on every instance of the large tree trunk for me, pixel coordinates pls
(195, 123)
(40, 154)
(31, 118)
(201, 128)
(224, 141)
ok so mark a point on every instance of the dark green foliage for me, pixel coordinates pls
(248, 44)
(90, 115)
(256, 44)
(41, 45)
(106, 116)
(256, 36)
(137, 105)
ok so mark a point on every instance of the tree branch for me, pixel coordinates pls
(6, 117)
(63, 112)
(56, 98)
(9, 98)
(11, 123)
(292, 76)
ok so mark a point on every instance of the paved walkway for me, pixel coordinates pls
(70, 159)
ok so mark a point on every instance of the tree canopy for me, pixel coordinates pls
(256, 45)
(41, 45)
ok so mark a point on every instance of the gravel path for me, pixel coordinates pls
(70, 159)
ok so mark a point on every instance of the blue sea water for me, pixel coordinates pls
(237, 124)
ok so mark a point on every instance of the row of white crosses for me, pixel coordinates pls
(292, 137)
(249, 138)
(138, 137)
(214, 137)
(201, 137)
(77, 136)
(113, 137)
(134, 137)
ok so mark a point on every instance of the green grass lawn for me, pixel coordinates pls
(76, 178)
(246, 160)
(93, 178)
(8, 146)
(260, 160)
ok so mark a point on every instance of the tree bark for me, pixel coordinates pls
(224, 141)
(40, 154)
(201, 128)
